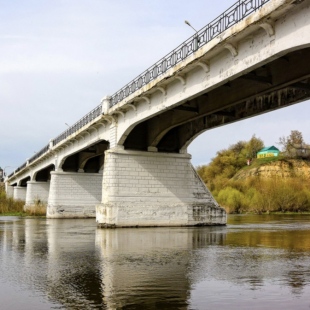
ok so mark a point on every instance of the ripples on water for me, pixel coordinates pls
(255, 262)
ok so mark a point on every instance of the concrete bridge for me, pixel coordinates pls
(126, 161)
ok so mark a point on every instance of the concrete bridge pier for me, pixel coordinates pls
(9, 190)
(74, 194)
(36, 192)
(154, 189)
(20, 192)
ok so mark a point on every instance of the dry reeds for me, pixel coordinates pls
(9, 206)
(38, 208)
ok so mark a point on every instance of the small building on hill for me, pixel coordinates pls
(269, 151)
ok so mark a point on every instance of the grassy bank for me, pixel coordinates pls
(261, 195)
(242, 191)
(9, 206)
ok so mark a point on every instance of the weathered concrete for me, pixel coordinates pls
(36, 192)
(154, 189)
(74, 195)
(9, 190)
(20, 193)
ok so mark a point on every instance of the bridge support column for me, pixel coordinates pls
(73, 194)
(154, 189)
(36, 192)
(19, 193)
(9, 190)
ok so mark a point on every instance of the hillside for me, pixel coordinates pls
(267, 185)
(282, 168)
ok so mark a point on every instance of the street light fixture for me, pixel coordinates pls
(196, 39)
(3, 172)
(188, 23)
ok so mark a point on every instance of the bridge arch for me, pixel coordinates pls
(89, 159)
(279, 82)
(23, 182)
(44, 174)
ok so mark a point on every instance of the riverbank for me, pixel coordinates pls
(11, 207)
(264, 187)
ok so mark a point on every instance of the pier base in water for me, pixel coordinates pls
(154, 189)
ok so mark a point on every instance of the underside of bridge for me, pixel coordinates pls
(44, 175)
(279, 83)
(89, 160)
(24, 181)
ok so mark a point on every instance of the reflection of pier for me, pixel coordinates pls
(72, 273)
(73, 264)
(136, 262)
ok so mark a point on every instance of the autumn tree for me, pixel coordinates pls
(292, 145)
(253, 146)
(228, 161)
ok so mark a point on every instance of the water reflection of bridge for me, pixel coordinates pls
(77, 266)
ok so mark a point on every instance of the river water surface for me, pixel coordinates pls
(255, 262)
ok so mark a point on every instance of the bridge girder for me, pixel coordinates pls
(279, 83)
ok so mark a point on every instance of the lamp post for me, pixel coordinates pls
(196, 39)
(2, 172)
(188, 23)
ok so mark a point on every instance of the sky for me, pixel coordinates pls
(58, 58)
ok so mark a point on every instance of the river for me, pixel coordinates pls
(255, 262)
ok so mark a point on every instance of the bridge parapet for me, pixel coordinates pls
(230, 17)
(97, 111)
(85, 120)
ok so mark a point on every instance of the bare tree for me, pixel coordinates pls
(293, 145)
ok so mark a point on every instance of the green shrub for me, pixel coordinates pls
(232, 199)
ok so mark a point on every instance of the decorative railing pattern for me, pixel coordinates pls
(38, 154)
(78, 125)
(230, 17)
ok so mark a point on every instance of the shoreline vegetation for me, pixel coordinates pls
(11, 207)
(277, 184)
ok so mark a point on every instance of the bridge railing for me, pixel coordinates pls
(72, 129)
(230, 17)
(78, 125)
(38, 154)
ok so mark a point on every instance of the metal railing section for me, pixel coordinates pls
(74, 128)
(38, 154)
(230, 17)
(79, 124)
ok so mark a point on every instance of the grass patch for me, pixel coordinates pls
(11, 207)
(37, 209)
(257, 162)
